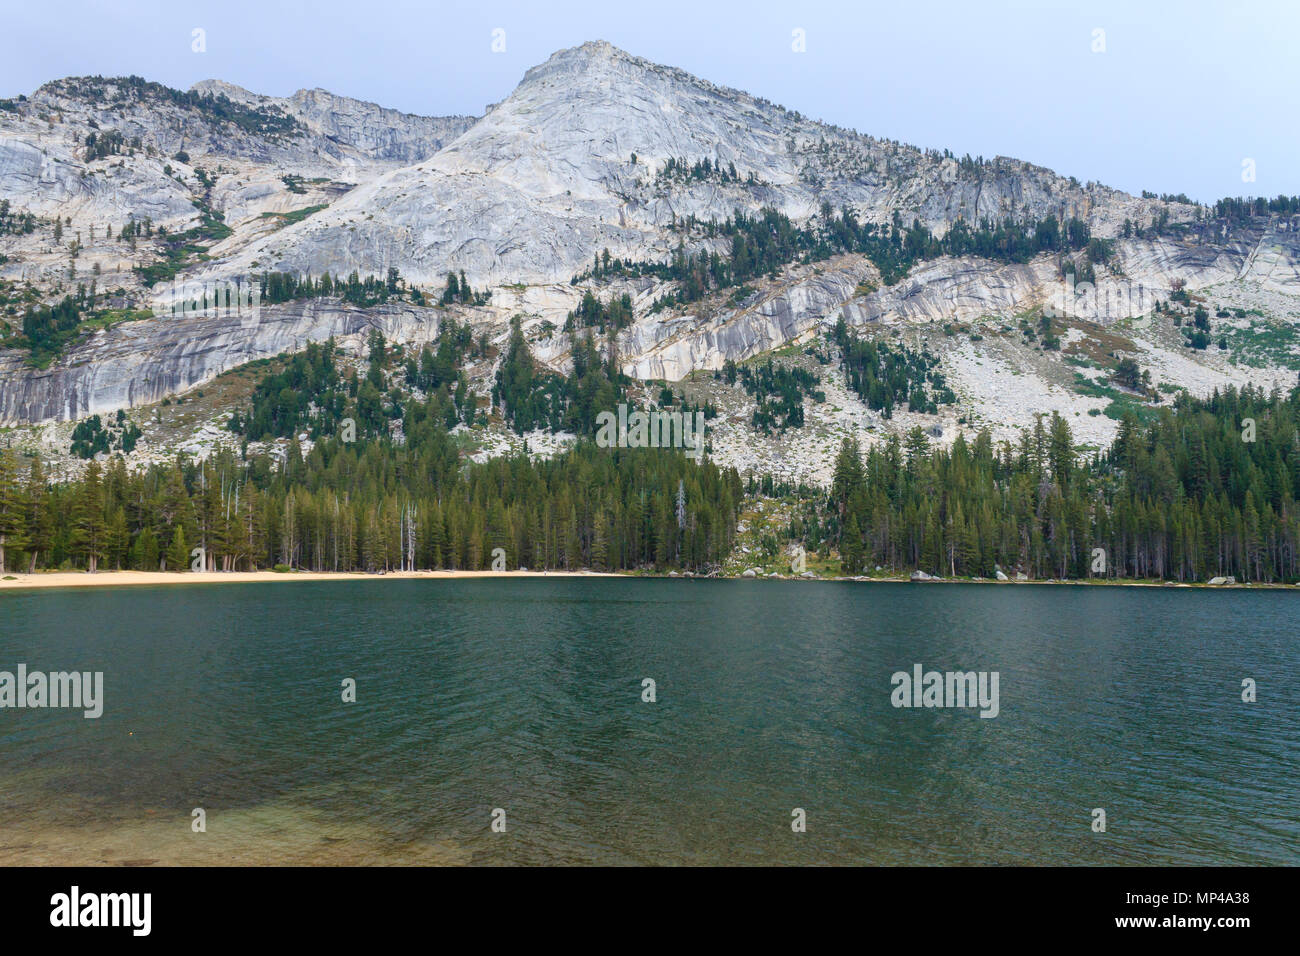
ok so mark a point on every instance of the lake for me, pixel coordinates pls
(526, 696)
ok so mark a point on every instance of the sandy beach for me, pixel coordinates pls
(80, 579)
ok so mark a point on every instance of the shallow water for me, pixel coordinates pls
(526, 695)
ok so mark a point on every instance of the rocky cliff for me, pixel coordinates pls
(576, 160)
(47, 168)
(137, 363)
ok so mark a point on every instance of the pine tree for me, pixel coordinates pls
(144, 552)
(851, 546)
(13, 510)
(848, 476)
(40, 522)
(178, 552)
(88, 530)
(118, 538)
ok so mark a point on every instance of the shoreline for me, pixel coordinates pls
(83, 579)
(80, 579)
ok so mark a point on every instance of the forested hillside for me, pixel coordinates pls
(1205, 489)
(374, 506)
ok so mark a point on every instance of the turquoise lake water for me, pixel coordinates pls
(526, 696)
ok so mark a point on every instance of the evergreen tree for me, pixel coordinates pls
(178, 552)
(13, 511)
(88, 529)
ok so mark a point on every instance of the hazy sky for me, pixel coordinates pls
(1183, 93)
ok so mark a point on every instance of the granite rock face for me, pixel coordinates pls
(49, 179)
(546, 179)
(141, 362)
(956, 290)
(373, 131)
(377, 132)
(44, 166)
(573, 162)
(137, 363)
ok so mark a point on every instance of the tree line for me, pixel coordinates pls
(1207, 488)
(767, 241)
(372, 505)
(884, 376)
(531, 396)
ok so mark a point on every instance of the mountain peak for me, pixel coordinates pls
(231, 91)
(597, 148)
(595, 48)
(592, 57)
(592, 50)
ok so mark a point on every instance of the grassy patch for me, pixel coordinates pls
(107, 318)
(1097, 343)
(296, 215)
(186, 247)
(1120, 401)
(50, 347)
(1264, 344)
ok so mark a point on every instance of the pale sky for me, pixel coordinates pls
(1181, 95)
